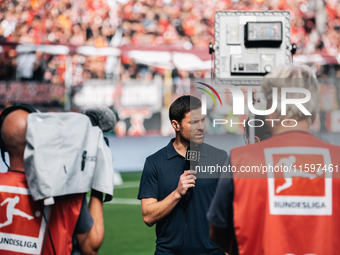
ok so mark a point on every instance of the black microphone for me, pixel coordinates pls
(102, 117)
(192, 157)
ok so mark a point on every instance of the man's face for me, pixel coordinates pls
(192, 126)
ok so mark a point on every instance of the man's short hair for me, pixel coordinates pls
(182, 106)
(295, 77)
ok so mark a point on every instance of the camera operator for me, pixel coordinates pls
(71, 221)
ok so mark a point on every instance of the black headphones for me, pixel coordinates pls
(3, 115)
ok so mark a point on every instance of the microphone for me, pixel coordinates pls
(192, 158)
(102, 117)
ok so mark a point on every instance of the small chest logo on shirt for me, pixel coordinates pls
(300, 183)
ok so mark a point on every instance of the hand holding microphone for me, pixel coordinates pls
(188, 178)
(186, 181)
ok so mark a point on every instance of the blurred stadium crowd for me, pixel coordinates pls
(179, 24)
(147, 24)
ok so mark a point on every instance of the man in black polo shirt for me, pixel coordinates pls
(181, 225)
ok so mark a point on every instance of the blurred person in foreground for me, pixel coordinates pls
(171, 195)
(73, 226)
(295, 209)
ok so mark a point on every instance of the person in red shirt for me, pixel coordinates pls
(283, 194)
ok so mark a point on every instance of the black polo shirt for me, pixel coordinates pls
(185, 230)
